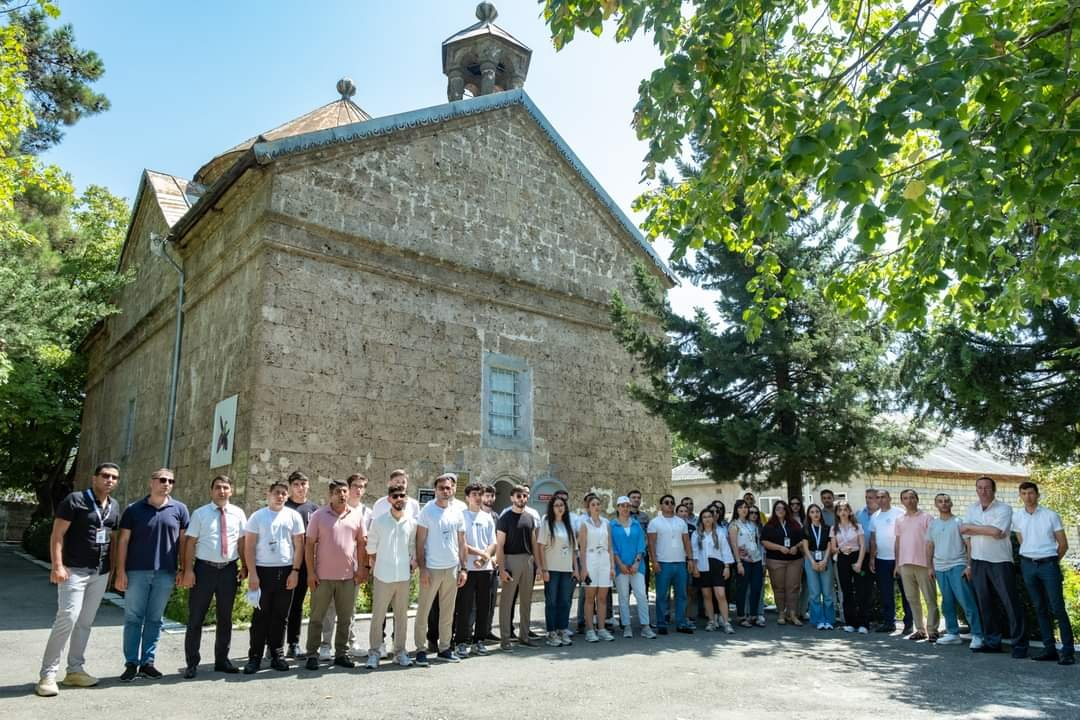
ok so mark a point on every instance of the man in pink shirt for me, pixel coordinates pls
(913, 565)
(336, 564)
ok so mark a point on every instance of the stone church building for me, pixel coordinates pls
(427, 290)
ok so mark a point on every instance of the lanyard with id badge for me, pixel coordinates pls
(819, 554)
(787, 540)
(101, 535)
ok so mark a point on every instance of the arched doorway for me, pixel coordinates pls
(542, 491)
(504, 486)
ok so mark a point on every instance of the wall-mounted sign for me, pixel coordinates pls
(425, 495)
(224, 433)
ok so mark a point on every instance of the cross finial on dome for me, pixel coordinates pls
(486, 12)
(346, 88)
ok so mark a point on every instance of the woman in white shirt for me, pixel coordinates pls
(745, 536)
(712, 558)
(555, 545)
(598, 563)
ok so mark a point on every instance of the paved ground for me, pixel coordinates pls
(778, 672)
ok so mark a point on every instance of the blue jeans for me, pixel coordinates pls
(887, 588)
(955, 589)
(672, 573)
(1043, 581)
(144, 603)
(558, 592)
(819, 584)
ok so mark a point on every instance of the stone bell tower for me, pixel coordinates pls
(483, 58)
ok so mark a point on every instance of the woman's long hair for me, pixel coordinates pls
(700, 525)
(549, 518)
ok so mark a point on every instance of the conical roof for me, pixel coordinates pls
(334, 114)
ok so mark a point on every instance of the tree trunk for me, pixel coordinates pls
(790, 468)
(55, 485)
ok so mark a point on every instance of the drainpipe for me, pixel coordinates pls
(157, 246)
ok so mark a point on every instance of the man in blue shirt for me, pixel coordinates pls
(148, 567)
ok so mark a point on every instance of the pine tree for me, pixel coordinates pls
(809, 400)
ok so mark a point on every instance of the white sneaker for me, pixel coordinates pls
(848, 628)
(553, 639)
(403, 659)
(949, 639)
(605, 635)
(864, 630)
(324, 652)
(710, 626)
(648, 633)
(628, 632)
(480, 649)
(821, 626)
(591, 636)
(976, 642)
(828, 626)
(372, 661)
(383, 652)
(566, 637)
(46, 687)
(728, 629)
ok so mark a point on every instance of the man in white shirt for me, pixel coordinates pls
(1042, 545)
(471, 609)
(215, 544)
(883, 563)
(391, 547)
(988, 523)
(669, 548)
(273, 554)
(411, 508)
(440, 554)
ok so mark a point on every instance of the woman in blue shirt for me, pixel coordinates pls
(628, 544)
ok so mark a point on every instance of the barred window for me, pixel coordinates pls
(504, 407)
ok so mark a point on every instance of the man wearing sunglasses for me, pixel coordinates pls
(80, 547)
(148, 564)
(391, 549)
(669, 548)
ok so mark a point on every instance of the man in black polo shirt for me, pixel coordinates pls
(147, 564)
(516, 538)
(299, 485)
(79, 547)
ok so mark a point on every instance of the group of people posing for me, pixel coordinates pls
(466, 551)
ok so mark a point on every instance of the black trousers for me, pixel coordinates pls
(856, 588)
(211, 583)
(475, 593)
(997, 580)
(268, 622)
(296, 609)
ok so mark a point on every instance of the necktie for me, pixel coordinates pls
(224, 536)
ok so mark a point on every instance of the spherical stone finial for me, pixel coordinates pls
(346, 88)
(486, 12)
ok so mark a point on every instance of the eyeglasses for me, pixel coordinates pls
(395, 496)
(167, 480)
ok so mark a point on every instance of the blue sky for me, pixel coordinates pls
(188, 80)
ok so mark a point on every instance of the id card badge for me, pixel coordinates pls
(102, 536)
(787, 542)
(819, 556)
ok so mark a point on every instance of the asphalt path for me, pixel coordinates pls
(776, 672)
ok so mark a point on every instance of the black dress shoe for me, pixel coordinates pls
(344, 661)
(1046, 656)
(189, 671)
(226, 666)
(987, 649)
(130, 671)
(279, 664)
(252, 667)
(885, 628)
(312, 662)
(1069, 659)
(148, 670)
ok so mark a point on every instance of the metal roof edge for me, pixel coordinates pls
(266, 152)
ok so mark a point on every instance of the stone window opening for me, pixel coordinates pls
(506, 402)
